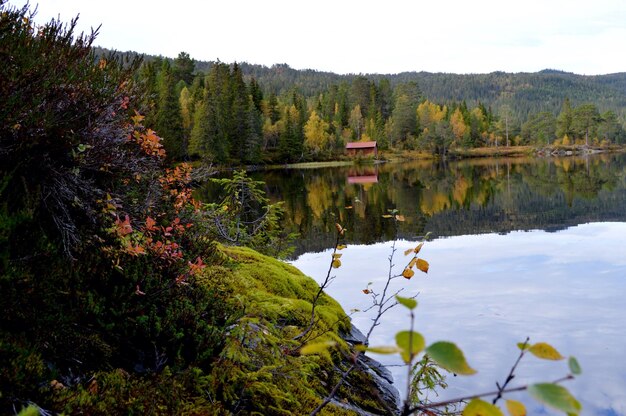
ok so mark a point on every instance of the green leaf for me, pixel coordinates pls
(545, 351)
(408, 302)
(555, 396)
(479, 407)
(410, 344)
(515, 408)
(574, 367)
(522, 346)
(450, 357)
(317, 347)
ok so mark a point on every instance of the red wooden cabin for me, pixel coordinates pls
(362, 149)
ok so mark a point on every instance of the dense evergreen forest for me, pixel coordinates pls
(243, 113)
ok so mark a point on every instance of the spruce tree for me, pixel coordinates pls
(168, 121)
(238, 120)
(564, 120)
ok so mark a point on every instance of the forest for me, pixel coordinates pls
(250, 114)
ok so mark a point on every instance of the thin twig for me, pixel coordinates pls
(380, 303)
(511, 375)
(476, 396)
(323, 286)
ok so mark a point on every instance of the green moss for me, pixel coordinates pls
(259, 369)
(280, 292)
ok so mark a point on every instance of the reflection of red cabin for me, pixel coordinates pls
(362, 149)
(363, 179)
(363, 174)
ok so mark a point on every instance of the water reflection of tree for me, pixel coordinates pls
(584, 178)
(466, 197)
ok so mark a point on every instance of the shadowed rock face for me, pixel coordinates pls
(380, 375)
(383, 379)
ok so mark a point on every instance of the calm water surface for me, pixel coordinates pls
(520, 248)
(488, 292)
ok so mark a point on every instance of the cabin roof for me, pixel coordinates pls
(360, 145)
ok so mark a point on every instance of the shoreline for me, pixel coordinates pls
(453, 154)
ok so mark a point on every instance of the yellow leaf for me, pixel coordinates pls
(422, 265)
(479, 407)
(408, 273)
(316, 347)
(545, 351)
(407, 252)
(341, 246)
(515, 408)
(418, 248)
(349, 207)
(387, 216)
(336, 263)
(338, 227)
(337, 255)
(399, 217)
(412, 262)
(379, 350)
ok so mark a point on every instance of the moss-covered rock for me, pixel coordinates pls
(258, 370)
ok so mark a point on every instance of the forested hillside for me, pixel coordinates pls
(524, 93)
(244, 113)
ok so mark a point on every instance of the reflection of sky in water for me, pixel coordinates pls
(488, 292)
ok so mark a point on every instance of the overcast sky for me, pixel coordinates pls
(346, 36)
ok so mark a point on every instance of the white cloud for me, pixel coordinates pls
(367, 36)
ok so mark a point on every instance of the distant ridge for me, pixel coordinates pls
(524, 93)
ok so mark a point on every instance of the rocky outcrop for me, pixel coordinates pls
(380, 376)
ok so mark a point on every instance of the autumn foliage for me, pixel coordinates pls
(99, 258)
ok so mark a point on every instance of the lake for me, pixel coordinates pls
(519, 247)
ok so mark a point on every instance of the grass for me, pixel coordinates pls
(314, 165)
(493, 151)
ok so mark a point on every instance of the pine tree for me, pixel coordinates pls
(219, 101)
(585, 119)
(272, 108)
(200, 137)
(286, 138)
(183, 68)
(238, 120)
(254, 90)
(564, 120)
(168, 120)
(404, 120)
(254, 133)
